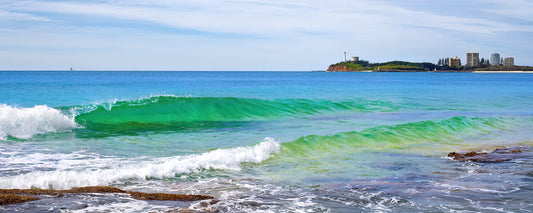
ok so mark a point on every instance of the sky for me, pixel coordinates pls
(255, 35)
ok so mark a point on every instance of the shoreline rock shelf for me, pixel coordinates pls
(13, 196)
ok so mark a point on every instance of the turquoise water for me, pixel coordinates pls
(267, 141)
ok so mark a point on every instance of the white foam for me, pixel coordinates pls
(123, 205)
(24, 123)
(224, 159)
(108, 105)
(55, 161)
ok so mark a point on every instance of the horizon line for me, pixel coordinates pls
(159, 70)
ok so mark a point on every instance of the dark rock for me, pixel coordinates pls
(162, 196)
(9, 196)
(95, 189)
(498, 155)
(13, 199)
(339, 68)
(31, 191)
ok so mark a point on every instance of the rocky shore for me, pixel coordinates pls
(498, 155)
(13, 196)
(339, 68)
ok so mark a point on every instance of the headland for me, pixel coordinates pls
(496, 64)
(404, 66)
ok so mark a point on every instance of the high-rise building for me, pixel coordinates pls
(454, 62)
(495, 59)
(472, 59)
(508, 62)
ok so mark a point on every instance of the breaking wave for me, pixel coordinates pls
(300, 151)
(170, 109)
(24, 123)
(117, 170)
(165, 113)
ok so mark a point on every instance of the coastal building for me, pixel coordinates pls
(495, 59)
(472, 59)
(508, 62)
(354, 59)
(454, 62)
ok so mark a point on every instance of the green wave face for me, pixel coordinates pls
(163, 113)
(403, 136)
(351, 155)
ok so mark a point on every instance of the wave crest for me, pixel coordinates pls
(395, 137)
(24, 123)
(166, 113)
(171, 113)
(168, 109)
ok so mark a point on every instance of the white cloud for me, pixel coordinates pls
(261, 17)
(519, 9)
(282, 34)
(12, 16)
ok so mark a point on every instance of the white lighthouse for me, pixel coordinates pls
(345, 57)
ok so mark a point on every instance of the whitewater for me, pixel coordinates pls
(267, 141)
(24, 123)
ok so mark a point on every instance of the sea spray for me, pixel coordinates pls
(24, 123)
(116, 171)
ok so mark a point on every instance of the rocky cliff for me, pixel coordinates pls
(338, 68)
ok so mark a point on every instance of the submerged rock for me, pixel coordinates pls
(498, 155)
(12, 196)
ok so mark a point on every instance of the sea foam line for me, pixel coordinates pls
(24, 123)
(224, 159)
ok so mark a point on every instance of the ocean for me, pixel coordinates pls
(267, 141)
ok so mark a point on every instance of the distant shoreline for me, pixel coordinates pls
(405, 66)
(438, 71)
(502, 72)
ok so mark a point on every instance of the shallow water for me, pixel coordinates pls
(267, 141)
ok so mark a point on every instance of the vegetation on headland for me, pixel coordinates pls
(388, 66)
(403, 66)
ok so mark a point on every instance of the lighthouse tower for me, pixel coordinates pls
(344, 56)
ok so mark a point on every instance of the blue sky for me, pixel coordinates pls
(255, 34)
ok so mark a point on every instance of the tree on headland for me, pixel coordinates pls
(485, 62)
